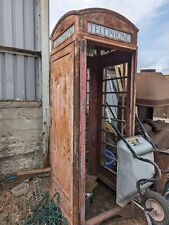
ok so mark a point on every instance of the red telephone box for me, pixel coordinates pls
(93, 63)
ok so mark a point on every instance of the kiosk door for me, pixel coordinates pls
(62, 130)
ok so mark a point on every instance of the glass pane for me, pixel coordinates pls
(114, 92)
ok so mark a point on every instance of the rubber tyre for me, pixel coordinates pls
(151, 195)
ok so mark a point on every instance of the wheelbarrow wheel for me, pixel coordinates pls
(157, 206)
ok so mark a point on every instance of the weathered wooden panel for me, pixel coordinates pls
(62, 154)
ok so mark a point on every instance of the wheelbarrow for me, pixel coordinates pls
(137, 175)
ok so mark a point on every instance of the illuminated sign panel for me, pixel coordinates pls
(109, 33)
(69, 32)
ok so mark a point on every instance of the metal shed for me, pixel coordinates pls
(93, 58)
(24, 84)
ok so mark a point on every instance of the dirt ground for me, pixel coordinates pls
(104, 199)
(134, 221)
(14, 210)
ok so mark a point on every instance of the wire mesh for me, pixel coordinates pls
(32, 198)
(47, 213)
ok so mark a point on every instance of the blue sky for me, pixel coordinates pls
(153, 40)
(150, 16)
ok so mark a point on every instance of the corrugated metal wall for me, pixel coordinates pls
(20, 72)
